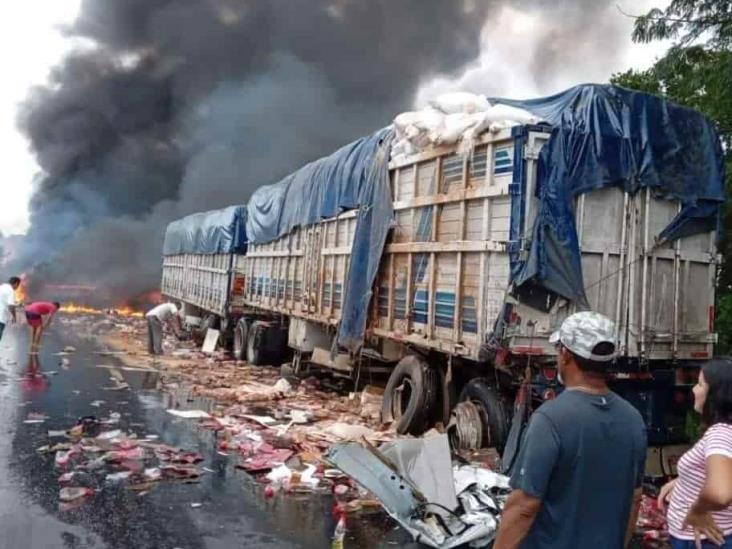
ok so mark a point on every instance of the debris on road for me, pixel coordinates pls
(450, 505)
(190, 414)
(115, 457)
(70, 494)
(295, 435)
(652, 524)
(35, 417)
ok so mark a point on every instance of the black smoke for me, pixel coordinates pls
(169, 107)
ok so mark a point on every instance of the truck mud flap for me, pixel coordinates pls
(518, 426)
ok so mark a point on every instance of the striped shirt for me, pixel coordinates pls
(717, 440)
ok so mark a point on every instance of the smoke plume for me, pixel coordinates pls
(175, 106)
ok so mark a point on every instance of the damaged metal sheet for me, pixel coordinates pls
(392, 491)
(426, 462)
(415, 497)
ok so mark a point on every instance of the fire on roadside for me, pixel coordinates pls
(77, 309)
(21, 292)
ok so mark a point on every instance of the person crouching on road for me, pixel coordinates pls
(577, 479)
(7, 303)
(156, 318)
(700, 510)
(39, 315)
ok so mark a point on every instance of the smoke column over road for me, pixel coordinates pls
(174, 106)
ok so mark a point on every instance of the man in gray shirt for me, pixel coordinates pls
(577, 479)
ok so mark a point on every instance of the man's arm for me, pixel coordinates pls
(518, 516)
(530, 481)
(13, 313)
(633, 519)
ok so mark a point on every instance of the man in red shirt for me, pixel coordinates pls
(39, 315)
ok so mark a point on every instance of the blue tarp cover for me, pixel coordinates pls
(607, 136)
(355, 176)
(215, 232)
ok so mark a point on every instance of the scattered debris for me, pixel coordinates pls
(71, 494)
(190, 414)
(462, 507)
(652, 524)
(35, 417)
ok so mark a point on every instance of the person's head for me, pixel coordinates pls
(585, 345)
(57, 305)
(713, 392)
(14, 282)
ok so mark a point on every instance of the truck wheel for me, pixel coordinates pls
(491, 410)
(241, 336)
(256, 352)
(199, 334)
(410, 396)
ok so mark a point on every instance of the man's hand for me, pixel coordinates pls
(633, 518)
(518, 516)
(703, 525)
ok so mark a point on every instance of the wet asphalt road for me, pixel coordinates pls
(233, 514)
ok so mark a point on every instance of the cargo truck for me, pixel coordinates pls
(448, 270)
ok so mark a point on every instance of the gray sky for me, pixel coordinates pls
(31, 42)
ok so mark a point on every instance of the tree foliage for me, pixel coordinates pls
(696, 72)
(687, 22)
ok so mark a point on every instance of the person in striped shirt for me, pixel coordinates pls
(700, 499)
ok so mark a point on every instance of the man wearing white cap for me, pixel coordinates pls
(578, 474)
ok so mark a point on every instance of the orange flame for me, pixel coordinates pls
(75, 309)
(21, 292)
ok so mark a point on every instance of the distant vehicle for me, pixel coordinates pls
(445, 316)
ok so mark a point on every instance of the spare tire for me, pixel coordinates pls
(493, 411)
(241, 339)
(410, 396)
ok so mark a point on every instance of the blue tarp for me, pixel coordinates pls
(215, 232)
(607, 136)
(355, 176)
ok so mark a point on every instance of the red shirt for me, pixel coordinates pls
(41, 308)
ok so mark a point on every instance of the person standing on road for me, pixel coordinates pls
(7, 303)
(577, 479)
(156, 318)
(39, 315)
(700, 510)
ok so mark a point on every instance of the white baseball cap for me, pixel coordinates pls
(582, 332)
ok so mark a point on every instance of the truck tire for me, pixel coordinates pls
(493, 411)
(256, 338)
(209, 321)
(241, 339)
(410, 396)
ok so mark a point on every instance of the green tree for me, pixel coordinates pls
(696, 71)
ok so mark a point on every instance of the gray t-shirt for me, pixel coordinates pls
(583, 455)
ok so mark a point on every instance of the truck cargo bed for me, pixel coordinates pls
(444, 275)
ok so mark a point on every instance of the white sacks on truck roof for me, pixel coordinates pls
(451, 118)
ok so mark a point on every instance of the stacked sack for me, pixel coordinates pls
(458, 117)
